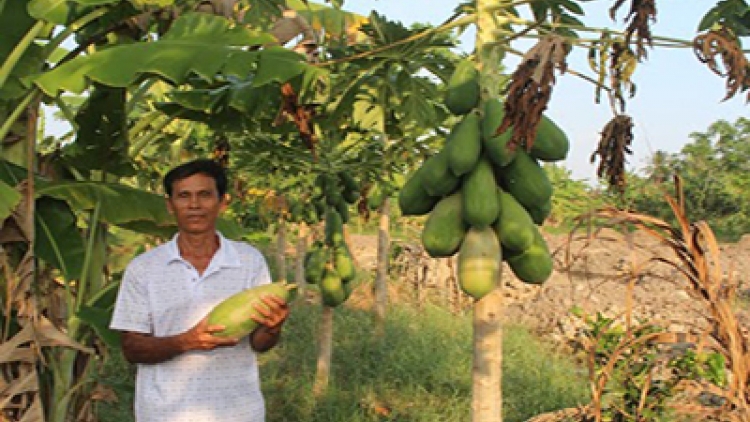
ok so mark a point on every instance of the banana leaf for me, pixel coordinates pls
(9, 200)
(16, 23)
(198, 44)
(58, 239)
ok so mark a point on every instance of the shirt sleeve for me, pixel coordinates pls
(262, 272)
(132, 311)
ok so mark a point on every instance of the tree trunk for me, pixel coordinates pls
(303, 233)
(488, 333)
(325, 351)
(381, 277)
(487, 400)
(281, 249)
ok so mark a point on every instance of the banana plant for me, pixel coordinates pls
(78, 299)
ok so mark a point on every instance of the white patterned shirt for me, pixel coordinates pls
(163, 295)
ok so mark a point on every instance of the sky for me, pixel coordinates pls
(676, 94)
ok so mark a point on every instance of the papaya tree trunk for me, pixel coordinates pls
(325, 352)
(303, 234)
(486, 405)
(381, 277)
(487, 399)
(281, 249)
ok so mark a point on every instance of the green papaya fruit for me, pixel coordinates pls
(350, 191)
(514, 226)
(342, 207)
(235, 312)
(332, 288)
(526, 180)
(437, 178)
(550, 143)
(481, 205)
(348, 181)
(344, 263)
(320, 208)
(315, 262)
(333, 196)
(479, 262)
(496, 145)
(445, 228)
(534, 265)
(464, 144)
(540, 213)
(462, 92)
(334, 228)
(413, 199)
(375, 197)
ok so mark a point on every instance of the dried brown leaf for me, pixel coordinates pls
(530, 89)
(290, 26)
(614, 145)
(640, 16)
(621, 68)
(722, 44)
(302, 115)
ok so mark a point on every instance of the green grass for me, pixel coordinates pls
(420, 371)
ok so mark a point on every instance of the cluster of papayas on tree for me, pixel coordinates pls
(328, 262)
(484, 196)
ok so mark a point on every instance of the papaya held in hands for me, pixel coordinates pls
(238, 312)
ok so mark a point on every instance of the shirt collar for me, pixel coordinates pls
(226, 255)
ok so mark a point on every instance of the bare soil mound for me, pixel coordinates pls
(608, 273)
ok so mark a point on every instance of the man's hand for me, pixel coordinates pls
(201, 337)
(145, 348)
(272, 313)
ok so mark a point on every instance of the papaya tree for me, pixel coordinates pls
(485, 193)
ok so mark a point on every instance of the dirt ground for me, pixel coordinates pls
(607, 273)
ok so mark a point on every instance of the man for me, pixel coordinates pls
(185, 373)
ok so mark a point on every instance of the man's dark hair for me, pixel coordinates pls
(205, 166)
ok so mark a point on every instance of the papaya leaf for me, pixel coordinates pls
(197, 44)
(206, 99)
(228, 120)
(724, 10)
(277, 64)
(58, 239)
(9, 200)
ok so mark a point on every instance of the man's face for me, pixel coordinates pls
(196, 204)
